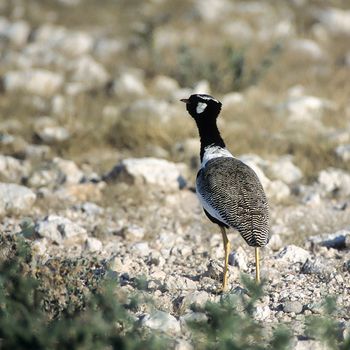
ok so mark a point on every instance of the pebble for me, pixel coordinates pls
(15, 199)
(58, 228)
(152, 171)
(293, 306)
(93, 244)
(162, 321)
(35, 81)
(293, 254)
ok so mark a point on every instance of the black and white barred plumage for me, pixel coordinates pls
(229, 190)
(231, 193)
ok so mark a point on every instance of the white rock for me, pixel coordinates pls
(332, 180)
(164, 86)
(239, 258)
(35, 81)
(89, 72)
(150, 109)
(105, 48)
(343, 152)
(133, 233)
(237, 31)
(58, 228)
(195, 299)
(93, 244)
(74, 44)
(277, 190)
(181, 344)
(72, 174)
(307, 47)
(336, 20)
(162, 321)
(212, 10)
(193, 317)
(262, 313)
(54, 134)
(129, 85)
(13, 169)
(37, 152)
(150, 171)
(16, 32)
(177, 283)
(283, 169)
(337, 240)
(305, 108)
(310, 345)
(141, 248)
(231, 100)
(15, 199)
(275, 242)
(293, 254)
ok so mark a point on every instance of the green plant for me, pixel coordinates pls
(326, 328)
(231, 323)
(102, 322)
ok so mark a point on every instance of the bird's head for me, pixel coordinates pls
(201, 106)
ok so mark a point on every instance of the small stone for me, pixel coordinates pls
(293, 254)
(133, 233)
(173, 283)
(275, 242)
(93, 244)
(335, 181)
(317, 267)
(343, 152)
(69, 170)
(16, 33)
(262, 313)
(89, 72)
(239, 258)
(308, 48)
(284, 170)
(196, 299)
(293, 306)
(141, 248)
(310, 345)
(181, 344)
(337, 240)
(58, 228)
(151, 171)
(37, 152)
(162, 321)
(163, 85)
(13, 169)
(53, 134)
(336, 20)
(15, 199)
(193, 317)
(36, 81)
(128, 86)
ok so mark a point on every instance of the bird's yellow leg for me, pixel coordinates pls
(257, 265)
(227, 248)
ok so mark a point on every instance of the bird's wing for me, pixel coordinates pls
(232, 193)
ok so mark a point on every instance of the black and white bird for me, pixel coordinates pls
(228, 189)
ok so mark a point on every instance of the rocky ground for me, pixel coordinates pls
(99, 157)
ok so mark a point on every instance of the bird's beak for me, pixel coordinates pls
(185, 100)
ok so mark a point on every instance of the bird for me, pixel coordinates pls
(229, 190)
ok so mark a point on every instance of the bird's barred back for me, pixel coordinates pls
(232, 193)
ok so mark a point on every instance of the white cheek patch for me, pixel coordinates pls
(201, 106)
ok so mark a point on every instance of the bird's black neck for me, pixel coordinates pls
(209, 134)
